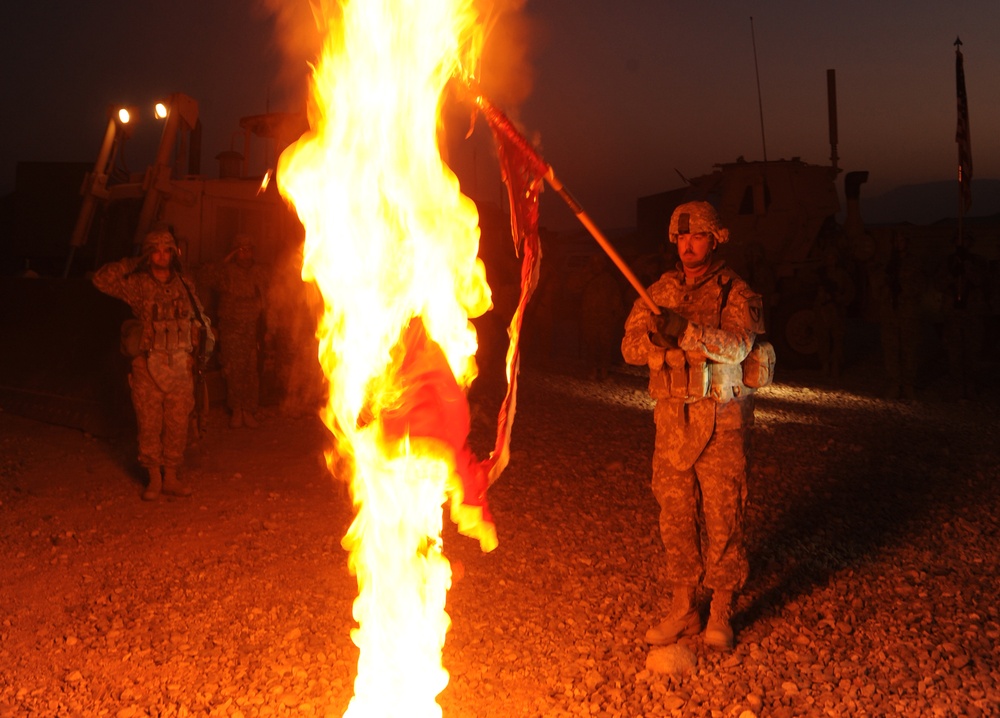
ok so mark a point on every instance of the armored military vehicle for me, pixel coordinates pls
(783, 217)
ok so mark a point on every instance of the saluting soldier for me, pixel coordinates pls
(169, 325)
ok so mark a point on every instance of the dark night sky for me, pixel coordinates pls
(622, 93)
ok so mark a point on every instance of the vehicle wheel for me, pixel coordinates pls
(795, 336)
(800, 332)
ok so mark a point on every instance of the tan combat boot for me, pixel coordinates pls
(719, 632)
(153, 487)
(683, 619)
(236, 420)
(171, 485)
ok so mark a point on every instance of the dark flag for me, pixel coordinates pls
(962, 136)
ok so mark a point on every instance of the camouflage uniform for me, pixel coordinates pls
(293, 311)
(834, 294)
(897, 283)
(703, 411)
(242, 287)
(162, 376)
(964, 305)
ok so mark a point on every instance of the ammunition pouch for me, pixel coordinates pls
(173, 335)
(139, 337)
(690, 377)
(727, 383)
(682, 376)
(758, 367)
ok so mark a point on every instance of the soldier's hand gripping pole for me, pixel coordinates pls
(501, 124)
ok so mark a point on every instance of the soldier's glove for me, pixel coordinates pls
(668, 325)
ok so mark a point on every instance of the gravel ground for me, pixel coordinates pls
(874, 548)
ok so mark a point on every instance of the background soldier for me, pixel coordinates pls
(293, 310)
(707, 327)
(169, 323)
(898, 283)
(241, 286)
(834, 295)
(965, 301)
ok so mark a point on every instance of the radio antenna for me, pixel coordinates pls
(760, 102)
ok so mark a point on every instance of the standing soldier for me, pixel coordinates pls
(898, 282)
(834, 294)
(708, 324)
(964, 303)
(169, 325)
(241, 285)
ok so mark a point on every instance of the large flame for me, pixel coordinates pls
(392, 246)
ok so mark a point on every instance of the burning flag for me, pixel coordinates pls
(392, 245)
(962, 136)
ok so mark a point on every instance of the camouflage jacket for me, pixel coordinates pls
(169, 311)
(724, 317)
(241, 291)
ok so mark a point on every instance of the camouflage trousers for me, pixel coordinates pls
(163, 396)
(702, 512)
(238, 356)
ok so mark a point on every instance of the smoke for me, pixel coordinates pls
(506, 71)
(298, 38)
(293, 311)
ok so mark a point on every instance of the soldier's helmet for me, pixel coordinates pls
(694, 217)
(160, 239)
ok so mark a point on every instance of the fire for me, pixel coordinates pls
(392, 245)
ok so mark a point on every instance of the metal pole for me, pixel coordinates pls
(760, 102)
(596, 233)
(95, 180)
(831, 103)
(500, 122)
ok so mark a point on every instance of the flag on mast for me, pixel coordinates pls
(962, 136)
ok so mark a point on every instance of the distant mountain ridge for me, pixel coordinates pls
(929, 202)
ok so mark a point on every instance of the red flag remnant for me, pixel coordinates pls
(523, 172)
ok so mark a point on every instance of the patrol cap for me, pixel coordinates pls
(694, 217)
(159, 239)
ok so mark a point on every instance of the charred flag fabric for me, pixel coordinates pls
(523, 173)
